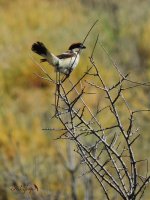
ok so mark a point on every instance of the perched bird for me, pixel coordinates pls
(63, 63)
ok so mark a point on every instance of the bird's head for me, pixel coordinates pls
(77, 46)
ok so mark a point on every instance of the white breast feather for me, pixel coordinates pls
(66, 64)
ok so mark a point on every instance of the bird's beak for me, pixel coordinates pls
(83, 47)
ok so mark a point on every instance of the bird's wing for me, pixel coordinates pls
(67, 54)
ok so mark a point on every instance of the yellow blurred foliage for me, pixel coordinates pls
(26, 99)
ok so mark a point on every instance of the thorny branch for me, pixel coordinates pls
(109, 152)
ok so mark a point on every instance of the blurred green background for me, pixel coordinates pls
(25, 99)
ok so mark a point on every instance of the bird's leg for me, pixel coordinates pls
(58, 83)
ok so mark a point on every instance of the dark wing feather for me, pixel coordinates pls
(66, 55)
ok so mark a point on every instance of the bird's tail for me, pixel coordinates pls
(41, 50)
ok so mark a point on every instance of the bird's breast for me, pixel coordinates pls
(68, 64)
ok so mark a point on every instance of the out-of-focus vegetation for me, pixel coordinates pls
(25, 99)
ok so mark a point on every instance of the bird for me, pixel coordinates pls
(63, 63)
